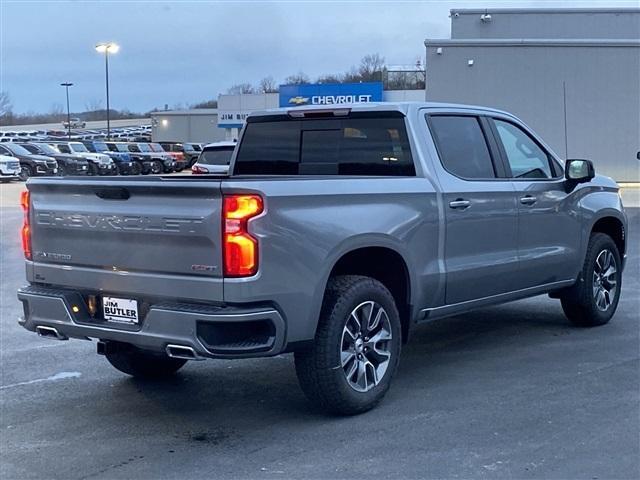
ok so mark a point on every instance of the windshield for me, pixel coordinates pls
(17, 149)
(78, 147)
(100, 146)
(119, 147)
(217, 156)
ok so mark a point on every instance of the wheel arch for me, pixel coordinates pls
(387, 265)
(613, 226)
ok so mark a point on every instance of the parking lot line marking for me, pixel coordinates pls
(52, 378)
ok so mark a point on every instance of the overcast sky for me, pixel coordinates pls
(182, 52)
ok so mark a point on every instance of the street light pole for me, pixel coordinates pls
(107, 48)
(66, 85)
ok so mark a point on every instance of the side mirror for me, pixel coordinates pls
(579, 171)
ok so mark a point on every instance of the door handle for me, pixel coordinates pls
(528, 200)
(460, 203)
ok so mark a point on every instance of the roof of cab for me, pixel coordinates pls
(404, 107)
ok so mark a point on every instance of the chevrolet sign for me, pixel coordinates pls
(330, 93)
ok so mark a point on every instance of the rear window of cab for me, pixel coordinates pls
(374, 146)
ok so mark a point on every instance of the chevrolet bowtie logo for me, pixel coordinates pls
(299, 100)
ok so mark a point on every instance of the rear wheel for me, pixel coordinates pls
(355, 353)
(594, 298)
(156, 166)
(142, 364)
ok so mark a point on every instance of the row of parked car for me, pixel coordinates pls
(21, 160)
(140, 133)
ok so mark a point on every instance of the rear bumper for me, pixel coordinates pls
(212, 332)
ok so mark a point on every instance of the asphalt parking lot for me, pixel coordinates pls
(505, 392)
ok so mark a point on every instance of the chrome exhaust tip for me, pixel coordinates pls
(182, 352)
(50, 332)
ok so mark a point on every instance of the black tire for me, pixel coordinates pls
(157, 166)
(93, 169)
(25, 172)
(136, 169)
(322, 375)
(142, 364)
(62, 171)
(580, 303)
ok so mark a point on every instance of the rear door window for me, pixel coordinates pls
(348, 146)
(462, 146)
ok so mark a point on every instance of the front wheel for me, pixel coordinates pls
(594, 299)
(25, 172)
(142, 364)
(355, 353)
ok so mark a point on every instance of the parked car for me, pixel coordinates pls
(335, 234)
(9, 168)
(191, 151)
(126, 165)
(74, 122)
(31, 164)
(143, 161)
(179, 162)
(185, 149)
(99, 163)
(158, 161)
(214, 158)
(68, 164)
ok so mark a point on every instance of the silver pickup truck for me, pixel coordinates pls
(338, 230)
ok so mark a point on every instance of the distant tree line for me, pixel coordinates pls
(372, 68)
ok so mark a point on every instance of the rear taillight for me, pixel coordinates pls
(197, 170)
(26, 226)
(240, 247)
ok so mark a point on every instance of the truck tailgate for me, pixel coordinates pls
(151, 236)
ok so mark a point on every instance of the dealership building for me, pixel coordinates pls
(573, 75)
(225, 122)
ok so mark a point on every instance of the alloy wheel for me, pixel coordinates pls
(366, 346)
(605, 281)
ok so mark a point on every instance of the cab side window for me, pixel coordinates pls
(462, 146)
(524, 155)
(63, 148)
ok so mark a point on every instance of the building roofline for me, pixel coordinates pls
(476, 11)
(530, 42)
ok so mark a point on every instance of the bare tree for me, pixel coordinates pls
(241, 88)
(267, 85)
(352, 76)
(56, 110)
(6, 108)
(206, 104)
(371, 67)
(299, 78)
(93, 105)
(330, 78)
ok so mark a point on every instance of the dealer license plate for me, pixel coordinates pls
(121, 310)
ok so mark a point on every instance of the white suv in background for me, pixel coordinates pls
(214, 158)
(9, 168)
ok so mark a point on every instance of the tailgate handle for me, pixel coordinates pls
(113, 193)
